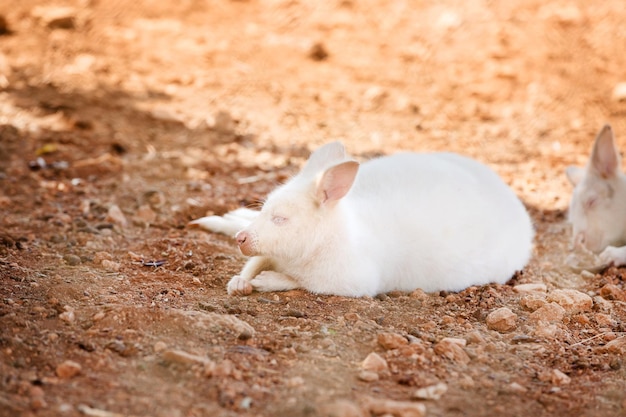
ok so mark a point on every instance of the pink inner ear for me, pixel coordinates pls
(605, 158)
(336, 181)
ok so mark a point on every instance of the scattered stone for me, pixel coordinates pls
(559, 378)
(532, 302)
(432, 392)
(68, 315)
(98, 316)
(530, 288)
(617, 346)
(55, 17)
(111, 266)
(475, 337)
(604, 320)
(368, 376)
(451, 348)
(374, 97)
(546, 331)
(549, 313)
(390, 341)
(613, 292)
(145, 215)
(183, 358)
(318, 52)
(223, 122)
(68, 369)
(515, 388)
(374, 362)
(341, 408)
(115, 215)
(37, 400)
(619, 92)
(572, 301)
(215, 321)
(72, 260)
(380, 406)
(502, 320)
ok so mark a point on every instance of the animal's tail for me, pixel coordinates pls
(228, 224)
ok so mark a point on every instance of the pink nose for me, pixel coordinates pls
(241, 237)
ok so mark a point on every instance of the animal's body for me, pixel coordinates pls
(436, 221)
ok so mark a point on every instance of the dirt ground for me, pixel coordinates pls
(122, 121)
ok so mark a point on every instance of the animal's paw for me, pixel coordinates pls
(273, 281)
(239, 286)
(614, 255)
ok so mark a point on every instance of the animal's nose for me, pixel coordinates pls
(241, 238)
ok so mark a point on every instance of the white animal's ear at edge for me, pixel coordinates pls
(336, 181)
(574, 174)
(605, 159)
(325, 156)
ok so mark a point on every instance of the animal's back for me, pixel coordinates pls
(442, 220)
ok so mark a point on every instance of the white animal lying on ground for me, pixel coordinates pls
(598, 206)
(435, 221)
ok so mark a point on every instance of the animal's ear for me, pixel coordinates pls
(574, 174)
(327, 155)
(334, 183)
(605, 159)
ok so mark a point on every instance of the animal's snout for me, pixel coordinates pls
(242, 237)
(246, 243)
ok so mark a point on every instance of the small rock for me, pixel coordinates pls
(68, 369)
(68, 315)
(223, 122)
(116, 216)
(546, 331)
(98, 316)
(530, 288)
(374, 362)
(374, 97)
(341, 408)
(55, 17)
(532, 302)
(37, 400)
(549, 313)
(145, 215)
(572, 301)
(390, 341)
(183, 358)
(380, 406)
(604, 320)
(612, 292)
(160, 346)
(318, 52)
(72, 260)
(559, 378)
(619, 92)
(617, 346)
(502, 320)
(451, 349)
(432, 392)
(368, 376)
(111, 266)
(515, 388)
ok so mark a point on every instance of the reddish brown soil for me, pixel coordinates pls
(174, 110)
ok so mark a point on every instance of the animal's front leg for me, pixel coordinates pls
(614, 255)
(240, 284)
(273, 281)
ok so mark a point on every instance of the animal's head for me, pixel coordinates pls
(598, 206)
(297, 216)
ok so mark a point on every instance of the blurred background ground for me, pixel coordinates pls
(122, 121)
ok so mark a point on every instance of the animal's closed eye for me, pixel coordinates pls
(591, 203)
(279, 220)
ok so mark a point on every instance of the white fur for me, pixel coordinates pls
(598, 206)
(431, 221)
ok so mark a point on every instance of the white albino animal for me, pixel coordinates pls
(597, 209)
(435, 221)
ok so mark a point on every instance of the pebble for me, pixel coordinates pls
(183, 358)
(502, 320)
(390, 341)
(115, 215)
(55, 17)
(380, 406)
(318, 52)
(573, 301)
(145, 215)
(451, 349)
(532, 302)
(617, 346)
(374, 362)
(613, 292)
(68, 369)
(619, 92)
(111, 266)
(559, 378)
(68, 315)
(530, 288)
(72, 260)
(368, 376)
(159, 346)
(432, 392)
(550, 313)
(341, 408)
